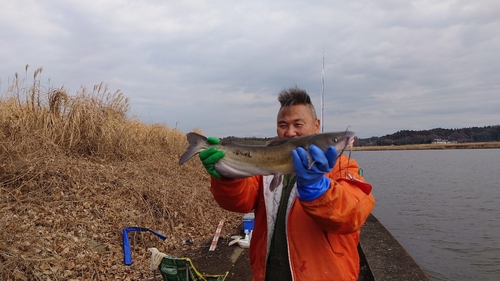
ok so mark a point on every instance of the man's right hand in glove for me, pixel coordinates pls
(210, 156)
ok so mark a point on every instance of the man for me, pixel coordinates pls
(308, 227)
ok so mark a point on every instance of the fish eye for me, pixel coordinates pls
(334, 139)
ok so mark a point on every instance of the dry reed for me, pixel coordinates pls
(75, 170)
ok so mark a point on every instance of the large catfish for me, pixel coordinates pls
(275, 158)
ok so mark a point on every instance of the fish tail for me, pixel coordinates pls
(197, 143)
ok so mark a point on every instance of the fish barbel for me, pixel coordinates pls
(275, 158)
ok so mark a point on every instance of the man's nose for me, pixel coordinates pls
(290, 132)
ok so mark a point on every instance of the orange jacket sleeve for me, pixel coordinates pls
(344, 207)
(236, 195)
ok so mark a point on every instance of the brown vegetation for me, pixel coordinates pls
(76, 169)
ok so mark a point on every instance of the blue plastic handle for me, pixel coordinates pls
(127, 255)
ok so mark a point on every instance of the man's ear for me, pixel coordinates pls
(317, 124)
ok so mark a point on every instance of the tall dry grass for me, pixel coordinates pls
(76, 169)
(91, 123)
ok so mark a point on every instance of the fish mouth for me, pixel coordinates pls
(348, 142)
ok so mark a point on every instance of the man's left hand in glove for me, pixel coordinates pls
(311, 181)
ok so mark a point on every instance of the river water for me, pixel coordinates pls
(443, 206)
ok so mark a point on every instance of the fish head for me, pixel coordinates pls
(345, 141)
(340, 140)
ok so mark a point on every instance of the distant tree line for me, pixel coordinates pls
(470, 134)
(404, 137)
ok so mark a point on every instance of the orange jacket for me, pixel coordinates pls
(322, 234)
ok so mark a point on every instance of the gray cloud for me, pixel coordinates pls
(218, 66)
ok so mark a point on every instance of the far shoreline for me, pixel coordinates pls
(465, 145)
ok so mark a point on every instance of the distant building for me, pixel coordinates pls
(441, 141)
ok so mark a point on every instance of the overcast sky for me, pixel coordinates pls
(219, 65)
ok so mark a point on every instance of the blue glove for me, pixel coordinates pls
(311, 182)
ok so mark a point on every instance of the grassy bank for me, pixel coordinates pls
(75, 169)
(468, 145)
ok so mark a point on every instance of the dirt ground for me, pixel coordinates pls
(236, 260)
(224, 258)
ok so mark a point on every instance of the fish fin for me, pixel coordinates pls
(276, 181)
(197, 143)
(276, 141)
(310, 160)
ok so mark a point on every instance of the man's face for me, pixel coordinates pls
(296, 121)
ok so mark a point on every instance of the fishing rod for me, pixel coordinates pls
(323, 94)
